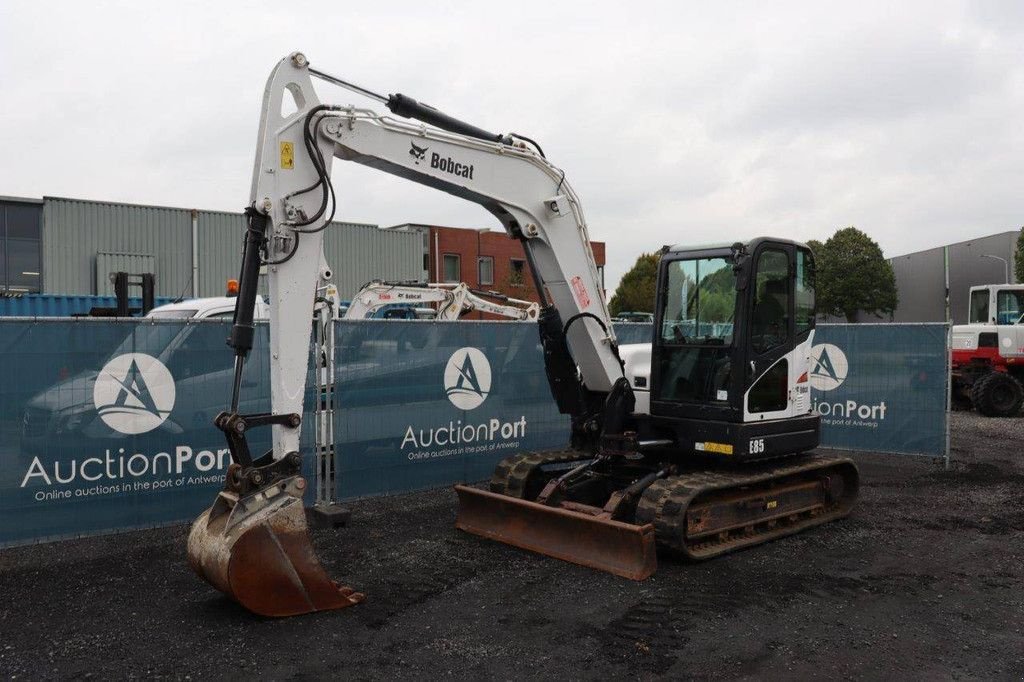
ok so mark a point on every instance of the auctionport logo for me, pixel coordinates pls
(467, 378)
(134, 393)
(829, 367)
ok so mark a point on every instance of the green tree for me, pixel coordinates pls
(1018, 258)
(853, 275)
(635, 292)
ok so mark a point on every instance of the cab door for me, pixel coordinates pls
(779, 333)
(1010, 320)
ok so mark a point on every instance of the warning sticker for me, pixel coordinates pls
(580, 292)
(708, 446)
(287, 155)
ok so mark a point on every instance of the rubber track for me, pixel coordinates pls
(512, 473)
(665, 504)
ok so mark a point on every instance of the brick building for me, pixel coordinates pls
(484, 259)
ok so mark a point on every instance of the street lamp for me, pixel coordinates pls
(1006, 264)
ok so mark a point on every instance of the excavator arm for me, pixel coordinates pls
(498, 304)
(252, 544)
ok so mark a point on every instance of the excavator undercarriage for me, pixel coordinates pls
(610, 513)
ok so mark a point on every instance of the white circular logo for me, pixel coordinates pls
(467, 378)
(134, 393)
(828, 367)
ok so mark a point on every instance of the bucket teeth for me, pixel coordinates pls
(256, 550)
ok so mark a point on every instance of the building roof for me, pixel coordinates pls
(960, 243)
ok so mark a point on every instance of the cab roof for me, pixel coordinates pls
(725, 246)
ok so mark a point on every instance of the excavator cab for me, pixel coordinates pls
(733, 331)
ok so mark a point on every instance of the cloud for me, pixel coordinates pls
(675, 122)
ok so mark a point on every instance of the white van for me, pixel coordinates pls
(214, 307)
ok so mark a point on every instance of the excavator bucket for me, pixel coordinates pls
(256, 549)
(623, 549)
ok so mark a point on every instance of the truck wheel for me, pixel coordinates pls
(997, 395)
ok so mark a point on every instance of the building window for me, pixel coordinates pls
(517, 273)
(452, 268)
(485, 274)
(20, 267)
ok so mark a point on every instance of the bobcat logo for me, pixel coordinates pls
(134, 393)
(417, 152)
(467, 378)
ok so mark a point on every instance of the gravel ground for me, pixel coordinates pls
(923, 581)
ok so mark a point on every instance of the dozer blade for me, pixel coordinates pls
(256, 549)
(623, 549)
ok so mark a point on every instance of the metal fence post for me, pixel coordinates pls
(949, 387)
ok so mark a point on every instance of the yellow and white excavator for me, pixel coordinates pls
(699, 442)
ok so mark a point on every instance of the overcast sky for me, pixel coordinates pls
(676, 122)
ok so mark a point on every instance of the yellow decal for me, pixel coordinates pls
(721, 448)
(772, 505)
(287, 155)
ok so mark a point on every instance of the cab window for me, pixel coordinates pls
(1010, 305)
(770, 393)
(804, 290)
(979, 306)
(769, 326)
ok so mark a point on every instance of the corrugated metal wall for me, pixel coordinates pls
(220, 250)
(921, 285)
(109, 263)
(359, 253)
(921, 277)
(75, 231)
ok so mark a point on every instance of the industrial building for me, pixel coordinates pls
(483, 259)
(924, 278)
(69, 247)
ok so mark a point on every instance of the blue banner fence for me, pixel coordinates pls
(106, 425)
(882, 387)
